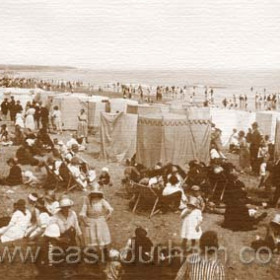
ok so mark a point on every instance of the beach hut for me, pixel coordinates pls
(120, 104)
(118, 136)
(96, 105)
(70, 108)
(172, 138)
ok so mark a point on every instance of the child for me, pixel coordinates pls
(104, 178)
(191, 220)
(195, 192)
(4, 136)
(114, 269)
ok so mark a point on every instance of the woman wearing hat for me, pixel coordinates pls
(18, 224)
(95, 213)
(67, 221)
(82, 130)
(15, 176)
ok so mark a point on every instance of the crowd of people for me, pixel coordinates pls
(59, 167)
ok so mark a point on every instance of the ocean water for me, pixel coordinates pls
(225, 83)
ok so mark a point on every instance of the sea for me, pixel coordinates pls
(225, 83)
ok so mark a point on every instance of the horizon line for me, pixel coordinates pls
(119, 69)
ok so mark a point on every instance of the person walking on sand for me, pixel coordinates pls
(94, 213)
(191, 220)
(56, 116)
(82, 130)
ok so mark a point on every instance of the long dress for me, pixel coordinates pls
(82, 126)
(189, 223)
(17, 227)
(19, 120)
(96, 233)
(244, 154)
(29, 119)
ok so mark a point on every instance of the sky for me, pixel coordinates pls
(141, 34)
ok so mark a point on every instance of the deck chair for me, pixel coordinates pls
(69, 182)
(72, 183)
(147, 197)
(53, 178)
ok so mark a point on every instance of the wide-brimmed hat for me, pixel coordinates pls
(195, 188)
(52, 231)
(66, 202)
(33, 197)
(105, 169)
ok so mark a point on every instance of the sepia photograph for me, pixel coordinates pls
(140, 140)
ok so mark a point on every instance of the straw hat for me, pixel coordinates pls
(65, 202)
(105, 169)
(52, 231)
(195, 188)
(33, 197)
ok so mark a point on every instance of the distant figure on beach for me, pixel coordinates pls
(29, 118)
(82, 130)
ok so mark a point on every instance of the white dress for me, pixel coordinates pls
(17, 227)
(19, 120)
(29, 119)
(189, 224)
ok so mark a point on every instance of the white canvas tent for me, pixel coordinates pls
(120, 104)
(172, 138)
(118, 136)
(96, 105)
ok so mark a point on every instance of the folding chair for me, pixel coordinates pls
(53, 178)
(69, 181)
(146, 195)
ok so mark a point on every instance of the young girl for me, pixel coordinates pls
(95, 213)
(104, 178)
(191, 221)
